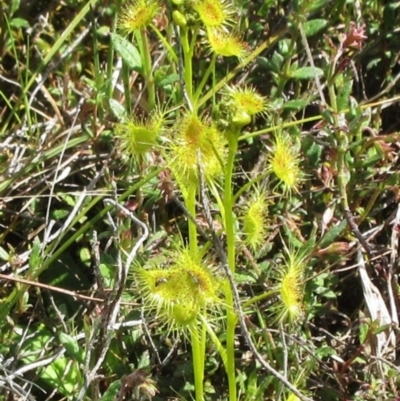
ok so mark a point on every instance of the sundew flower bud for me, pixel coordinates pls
(195, 142)
(181, 293)
(214, 13)
(138, 14)
(254, 224)
(284, 161)
(291, 289)
(247, 99)
(139, 136)
(179, 18)
(226, 44)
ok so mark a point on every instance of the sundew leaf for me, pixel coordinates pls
(307, 73)
(127, 51)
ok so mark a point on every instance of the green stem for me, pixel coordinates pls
(241, 65)
(228, 199)
(127, 89)
(164, 41)
(147, 68)
(371, 203)
(110, 58)
(231, 321)
(215, 339)
(198, 362)
(259, 298)
(230, 239)
(289, 124)
(190, 203)
(343, 175)
(205, 77)
(187, 56)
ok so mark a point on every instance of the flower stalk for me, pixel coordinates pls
(231, 250)
(144, 47)
(190, 203)
(197, 339)
(187, 59)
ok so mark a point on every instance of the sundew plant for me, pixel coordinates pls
(213, 186)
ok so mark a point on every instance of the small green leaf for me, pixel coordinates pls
(359, 360)
(277, 61)
(63, 376)
(312, 6)
(85, 256)
(103, 31)
(325, 351)
(333, 233)
(3, 254)
(68, 199)
(60, 214)
(313, 151)
(325, 292)
(112, 391)
(127, 51)
(393, 179)
(168, 80)
(71, 346)
(314, 26)
(364, 329)
(35, 260)
(295, 104)
(284, 46)
(263, 62)
(343, 96)
(380, 329)
(19, 23)
(144, 361)
(107, 273)
(59, 374)
(117, 108)
(307, 73)
(14, 6)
